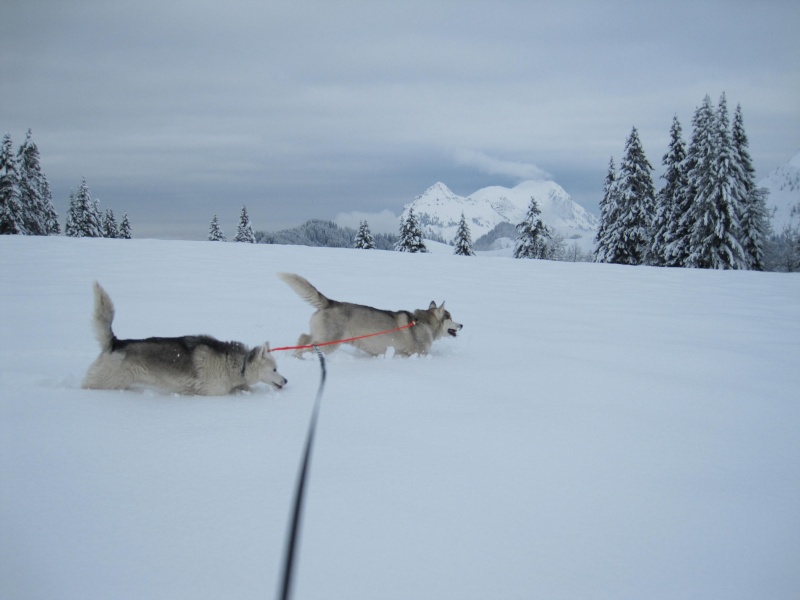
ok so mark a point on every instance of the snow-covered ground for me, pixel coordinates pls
(596, 431)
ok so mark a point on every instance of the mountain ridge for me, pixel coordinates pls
(439, 210)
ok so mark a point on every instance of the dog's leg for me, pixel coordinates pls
(303, 340)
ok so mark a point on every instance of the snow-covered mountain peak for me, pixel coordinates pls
(439, 210)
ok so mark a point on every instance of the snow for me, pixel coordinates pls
(439, 210)
(596, 431)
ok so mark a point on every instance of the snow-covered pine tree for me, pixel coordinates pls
(125, 228)
(30, 197)
(609, 205)
(534, 236)
(110, 227)
(364, 238)
(714, 233)
(636, 206)
(463, 240)
(83, 216)
(244, 232)
(12, 215)
(696, 167)
(35, 195)
(665, 248)
(754, 218)
(215, 233)
(70, 228)
(410, 235)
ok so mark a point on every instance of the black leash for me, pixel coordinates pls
(293, 535)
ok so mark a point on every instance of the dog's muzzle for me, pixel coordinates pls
(453, 331)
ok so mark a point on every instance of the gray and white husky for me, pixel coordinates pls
(335, 320)
(195, 364)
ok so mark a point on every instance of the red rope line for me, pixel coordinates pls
(352, 339)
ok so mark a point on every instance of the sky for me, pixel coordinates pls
(177, 111)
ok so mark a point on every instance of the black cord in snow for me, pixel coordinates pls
(293, 535)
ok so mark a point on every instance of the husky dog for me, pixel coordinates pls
(196, 364)
(341, 320)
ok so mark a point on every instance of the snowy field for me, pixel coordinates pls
(596, 432)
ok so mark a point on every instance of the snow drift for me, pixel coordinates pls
(596, 431)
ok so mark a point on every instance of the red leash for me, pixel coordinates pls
(352, 339)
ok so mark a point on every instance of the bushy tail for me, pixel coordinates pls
(305, 290)
(103, 316)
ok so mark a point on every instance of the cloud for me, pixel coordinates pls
(381, 222)
(495, 166)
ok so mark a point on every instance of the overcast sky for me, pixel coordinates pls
(178, 110)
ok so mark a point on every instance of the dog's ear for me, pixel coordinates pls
(432, 305)
(265, 349)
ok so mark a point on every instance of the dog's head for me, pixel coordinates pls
(444, 319)
(261, 363)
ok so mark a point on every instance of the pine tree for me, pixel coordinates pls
(714, 217)
(609, 206)
(215, 233)
(754, 217)
(463, 240)
(665, 249)
(83, 216)
(12, 216)
(125, 228)
(244, 233)
(35, 196)
(636, 204)
(534, 236)
(410, 235)
(110, 228)
(364, 238)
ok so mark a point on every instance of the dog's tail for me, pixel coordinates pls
(103, 316)
(305, 290)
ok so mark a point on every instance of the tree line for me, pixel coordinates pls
(709, 214)
(26, 203)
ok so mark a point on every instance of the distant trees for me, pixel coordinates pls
(322, 233)
(11, 215)
(410, 235)
(534, 236)
(26, 204)
(782, 252)
(125, 228)
(463, 240)
(708, 215)
(83, 214)
(84, 218)
(110, 227)
(215, 233)
(244, 232)
(37, 201)
(364, 238)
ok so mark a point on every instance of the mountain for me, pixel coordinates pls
(783, 184)
(439, 211)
